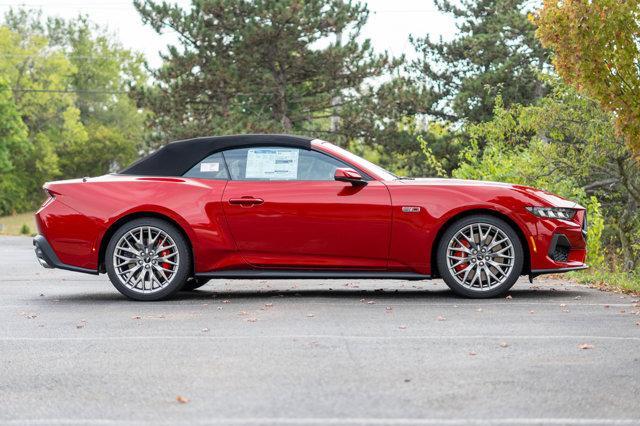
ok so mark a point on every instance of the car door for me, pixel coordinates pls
(285, 210)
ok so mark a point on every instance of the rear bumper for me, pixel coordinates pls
(48, 258)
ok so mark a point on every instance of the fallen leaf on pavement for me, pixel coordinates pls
(585, 346)
(182, 399)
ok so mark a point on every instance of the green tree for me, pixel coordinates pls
(70, 84)
(262, 66)
(38, 80)
(596, 50)
(494, 52)
(14, 148)
(566, 144)
(105, 75)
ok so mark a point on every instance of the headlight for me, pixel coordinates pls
(553, 212)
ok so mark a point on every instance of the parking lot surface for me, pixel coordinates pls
(74, 351)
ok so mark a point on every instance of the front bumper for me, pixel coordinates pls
(560, 245)
(48, 258)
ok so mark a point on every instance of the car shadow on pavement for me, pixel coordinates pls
(209, 295)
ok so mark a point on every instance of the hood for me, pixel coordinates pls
(538, 197)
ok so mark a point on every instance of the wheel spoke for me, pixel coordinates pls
(137, 262)
(487, 256)
(461, 246)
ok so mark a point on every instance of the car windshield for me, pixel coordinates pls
(366, 164)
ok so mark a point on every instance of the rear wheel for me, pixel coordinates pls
(480, 256)
(148, 259)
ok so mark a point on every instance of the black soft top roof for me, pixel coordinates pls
(176, 158)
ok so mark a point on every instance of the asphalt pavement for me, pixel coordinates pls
(254, 352)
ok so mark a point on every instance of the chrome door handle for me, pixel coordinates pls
(246, 201)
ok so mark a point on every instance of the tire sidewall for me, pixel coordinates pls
(184, 266)
(458, 288)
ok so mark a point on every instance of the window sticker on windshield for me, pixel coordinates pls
(209, 167)
(272, 163)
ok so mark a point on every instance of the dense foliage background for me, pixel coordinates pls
(547, 97)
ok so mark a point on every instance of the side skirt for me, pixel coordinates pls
(537, 272)
(303, 274)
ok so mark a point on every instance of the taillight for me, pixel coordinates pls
(49, 197)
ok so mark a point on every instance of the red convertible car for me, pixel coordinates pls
(279, 206)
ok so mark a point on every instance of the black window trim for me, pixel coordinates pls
(365, 177)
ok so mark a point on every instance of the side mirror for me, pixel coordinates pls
(349, 175)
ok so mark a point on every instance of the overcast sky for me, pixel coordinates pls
(389, 26)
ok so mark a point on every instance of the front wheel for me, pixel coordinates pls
(148, 259)
(480, 256)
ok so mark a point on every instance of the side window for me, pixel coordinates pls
(280, 163)
(212, 167)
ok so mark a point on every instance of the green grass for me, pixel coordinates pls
(628, 282)
(14, 224)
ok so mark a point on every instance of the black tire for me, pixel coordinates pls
(467, 291)
(176, 281)
(194, 283)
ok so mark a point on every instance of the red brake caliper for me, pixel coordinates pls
(461, 254)
(165, 265)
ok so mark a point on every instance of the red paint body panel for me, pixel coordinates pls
(315, 224)
(300, 225)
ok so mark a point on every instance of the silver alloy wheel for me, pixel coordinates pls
(146, 259)
(480, 256)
